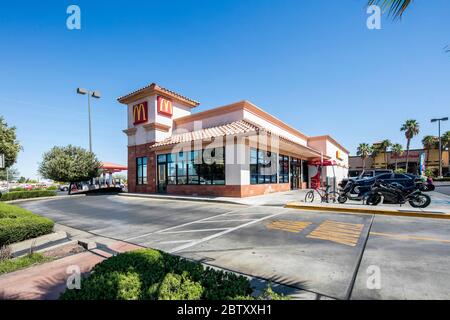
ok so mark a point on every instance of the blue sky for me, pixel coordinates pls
(313, 64)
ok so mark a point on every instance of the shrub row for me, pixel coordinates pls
(148, 274)
(17, 224)
(15, 195)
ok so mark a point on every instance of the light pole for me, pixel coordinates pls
(440, 142)
(94, 94)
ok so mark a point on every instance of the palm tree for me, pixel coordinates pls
(364, 150)
(411, 128)
(429, 142)
(384, 145)
(445, 140)
(396, 7)
(397, 150)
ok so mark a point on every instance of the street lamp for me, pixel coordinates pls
(440, 142)
(94, 94)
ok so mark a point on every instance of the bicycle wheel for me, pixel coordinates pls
(309, 197)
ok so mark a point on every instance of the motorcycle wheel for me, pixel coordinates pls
(374, 200)
(342, 199)
(421, 201)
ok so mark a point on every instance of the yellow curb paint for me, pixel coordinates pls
(408, 237)
(413, 214)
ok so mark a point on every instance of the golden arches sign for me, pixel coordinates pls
(165, 106)
(140, 113)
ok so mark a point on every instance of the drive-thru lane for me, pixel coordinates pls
(316, 251)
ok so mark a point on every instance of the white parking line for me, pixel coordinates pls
(195, 230)
(177, 241)
(184, 224)
(231, 220)
(182, 247)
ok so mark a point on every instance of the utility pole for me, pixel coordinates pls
(440, 142)
(94, 94)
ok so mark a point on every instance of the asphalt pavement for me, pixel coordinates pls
(330, 254)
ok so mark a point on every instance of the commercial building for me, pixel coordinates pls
(418, 160)
(236, 150)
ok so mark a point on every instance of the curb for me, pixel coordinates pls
(147, 196)
(414, 214)
(44, 198)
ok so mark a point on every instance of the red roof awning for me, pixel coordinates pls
(113, 167)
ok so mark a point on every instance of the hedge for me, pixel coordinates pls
(15, 195)
(17, 224)
(148, 274)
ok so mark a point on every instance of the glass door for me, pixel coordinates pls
(162, 174)
(295, 173)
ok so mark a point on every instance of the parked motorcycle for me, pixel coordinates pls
(354, 190)
(396, 194)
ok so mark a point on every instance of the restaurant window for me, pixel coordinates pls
(141, 170)
(283, 169)
(205, 167)
(263, 166)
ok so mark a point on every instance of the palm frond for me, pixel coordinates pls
(396, 8)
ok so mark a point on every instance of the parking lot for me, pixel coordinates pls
(332, 255)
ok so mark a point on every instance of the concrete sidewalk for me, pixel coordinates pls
(439, 207)
(47, 281)
(272, 199)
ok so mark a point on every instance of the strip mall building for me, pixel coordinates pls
(237, 150)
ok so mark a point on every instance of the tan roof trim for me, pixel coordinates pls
(153, 88)
(241, 105)
(329, 138)
(130, 131)
(156, 126)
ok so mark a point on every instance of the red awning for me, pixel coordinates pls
(113, 167)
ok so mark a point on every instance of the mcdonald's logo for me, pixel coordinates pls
(165, 106)
(140, 113)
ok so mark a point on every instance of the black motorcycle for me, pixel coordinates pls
(354, 190)
(395, 193)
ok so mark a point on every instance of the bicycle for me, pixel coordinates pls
(324, 194)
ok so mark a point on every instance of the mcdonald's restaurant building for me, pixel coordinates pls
(237, 150)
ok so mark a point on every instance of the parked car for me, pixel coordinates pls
(366, 174)
(64, 187)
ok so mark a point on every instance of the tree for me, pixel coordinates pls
(9, 145)
(411, 128)
(397, 150)
(396, 7)
(429, 142)
(364, 150)
(384, 145)
(69, 164)
(13, 174)
(445, 140)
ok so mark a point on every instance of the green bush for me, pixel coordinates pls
(149, 274)
(17, 224)
(15, 195)
(52, 188)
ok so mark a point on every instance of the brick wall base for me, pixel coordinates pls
(227, 191)
(141, 151)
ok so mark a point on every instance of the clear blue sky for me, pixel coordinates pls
(313, 64)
